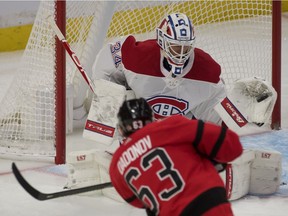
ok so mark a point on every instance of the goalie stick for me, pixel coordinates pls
(46, 196)
(71, 53)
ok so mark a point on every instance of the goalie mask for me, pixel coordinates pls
(133, 115)
(175, 36)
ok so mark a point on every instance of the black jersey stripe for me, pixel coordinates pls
(199, 133)
(204, 202)
(218, 143)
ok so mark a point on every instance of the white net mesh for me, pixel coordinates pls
(236, 33)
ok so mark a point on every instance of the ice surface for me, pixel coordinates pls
(48, 177)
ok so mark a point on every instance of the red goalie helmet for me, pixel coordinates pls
(175, 36)
(133, 115)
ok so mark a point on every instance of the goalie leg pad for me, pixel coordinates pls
(103, 159)
(90, 168)
(255, 172)
(265, 172)
(82, 170)
(237, 175)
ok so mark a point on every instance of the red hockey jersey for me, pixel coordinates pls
(166, 167)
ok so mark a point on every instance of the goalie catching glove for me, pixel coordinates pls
(249, 103)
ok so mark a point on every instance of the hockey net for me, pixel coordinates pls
(238, 34)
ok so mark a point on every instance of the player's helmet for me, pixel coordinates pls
(175, 36)
(133, 115)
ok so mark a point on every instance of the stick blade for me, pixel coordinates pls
(46, 196)
(22, 181)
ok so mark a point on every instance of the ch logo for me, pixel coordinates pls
(164, 106)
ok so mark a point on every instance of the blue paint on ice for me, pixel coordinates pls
(274, 140)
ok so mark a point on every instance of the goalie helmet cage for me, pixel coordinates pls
(237, 34)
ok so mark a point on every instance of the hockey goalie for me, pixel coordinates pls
(246, 109)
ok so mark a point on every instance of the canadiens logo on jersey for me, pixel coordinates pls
(164, 106)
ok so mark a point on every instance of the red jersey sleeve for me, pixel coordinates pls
(217, 143)
(211, 140)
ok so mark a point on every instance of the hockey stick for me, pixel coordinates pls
(71, 53)
(46, 196)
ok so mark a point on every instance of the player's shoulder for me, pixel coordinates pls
(205, 68)
(172, 120)
(146, 45)
(140, 56)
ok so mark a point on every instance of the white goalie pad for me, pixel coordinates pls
(266, 172)
(237, 175)
(255, 172)
(90, 167)
(248, 106)
(102, 118)
(82, 169)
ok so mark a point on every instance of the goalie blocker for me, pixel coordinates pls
(101, 121)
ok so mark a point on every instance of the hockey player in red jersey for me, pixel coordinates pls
(165, 166)
(169, 72)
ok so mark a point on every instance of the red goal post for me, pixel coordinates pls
(243, 36)
(276, 62)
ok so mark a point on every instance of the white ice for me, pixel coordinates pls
(48, 177)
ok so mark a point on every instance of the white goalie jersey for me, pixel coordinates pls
(140, 66)
(198, 92)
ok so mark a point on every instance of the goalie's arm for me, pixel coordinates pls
(205, 111)
(108, 64)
